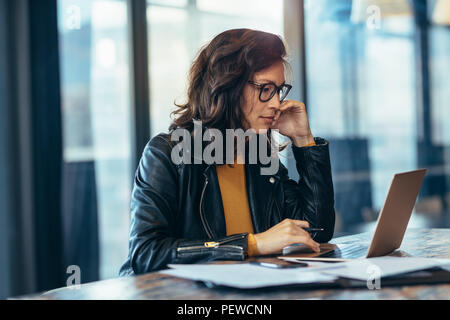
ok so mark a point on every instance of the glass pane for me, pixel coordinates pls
(249, 8)
(440, 66)
(176, 35)
(361, 96)
(439, 153)
(174, 3)
(96, 115)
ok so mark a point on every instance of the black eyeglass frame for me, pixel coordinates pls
(261, 87)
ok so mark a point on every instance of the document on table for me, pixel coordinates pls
(247, 276)
(362, 269)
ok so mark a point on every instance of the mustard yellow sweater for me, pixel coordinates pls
(235, 202)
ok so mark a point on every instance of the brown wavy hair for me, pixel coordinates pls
(219, 74)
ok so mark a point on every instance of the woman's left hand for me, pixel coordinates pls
(291, 120)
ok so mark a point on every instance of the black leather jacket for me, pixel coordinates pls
(177, 214)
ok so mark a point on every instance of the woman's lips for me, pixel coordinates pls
(268, 120)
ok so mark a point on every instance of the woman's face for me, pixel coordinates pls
(259, 114)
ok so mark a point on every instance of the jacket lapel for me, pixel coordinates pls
(260, 190)
(212, 204)
(260, 195)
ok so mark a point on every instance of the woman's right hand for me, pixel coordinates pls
(285, 233)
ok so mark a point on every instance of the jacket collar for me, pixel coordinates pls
(260, 193)
(197, 136)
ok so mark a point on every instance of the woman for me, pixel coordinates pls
(197, 212)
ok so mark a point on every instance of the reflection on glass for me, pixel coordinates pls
(364, 92)
(174, 3)
(176, 35)
(96, 113)
(440, 65)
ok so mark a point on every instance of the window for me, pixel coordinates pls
(96, 118)
(364, 95)
(95, 76)
(364, 90)
(440, 64)
(177, 31)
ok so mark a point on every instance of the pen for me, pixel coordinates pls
(280, 265)
(313, 229)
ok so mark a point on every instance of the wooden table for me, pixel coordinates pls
(417, 242)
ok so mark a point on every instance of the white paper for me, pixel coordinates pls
(365, 269)
(246, 276)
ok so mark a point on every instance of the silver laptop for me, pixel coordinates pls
(391, 226)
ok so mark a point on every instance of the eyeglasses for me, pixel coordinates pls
(268, 90)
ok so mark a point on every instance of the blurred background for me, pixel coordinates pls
(84, 84)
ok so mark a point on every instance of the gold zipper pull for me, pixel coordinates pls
(211, 244)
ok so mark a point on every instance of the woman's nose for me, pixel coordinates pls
(275, 102)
